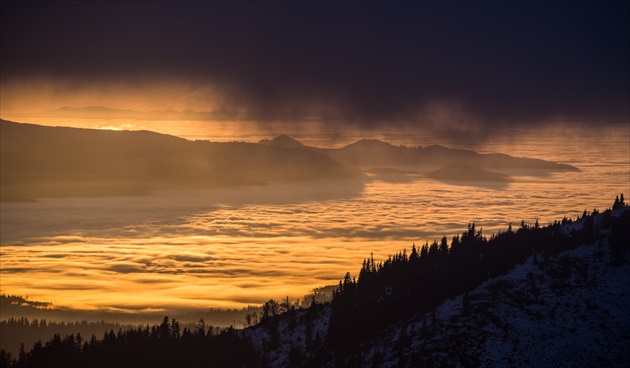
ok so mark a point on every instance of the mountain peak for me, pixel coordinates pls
(370, 143)
(282, 141)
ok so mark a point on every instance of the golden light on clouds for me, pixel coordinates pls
(234, 247)
(175, 273)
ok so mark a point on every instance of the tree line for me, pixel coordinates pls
(163, 345)
(418, 281)
(25, 331)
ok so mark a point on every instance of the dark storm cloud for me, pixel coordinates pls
(496, 62)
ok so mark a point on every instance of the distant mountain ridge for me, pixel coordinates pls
(39, 161)
(370, 153)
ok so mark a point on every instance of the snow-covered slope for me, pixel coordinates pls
(568, 309)
(291, 337)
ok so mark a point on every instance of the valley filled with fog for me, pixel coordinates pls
(190, 249)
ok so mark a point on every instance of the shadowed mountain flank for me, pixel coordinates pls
(40, 161)
(461, 172)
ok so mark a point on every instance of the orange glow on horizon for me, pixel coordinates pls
(40, 95)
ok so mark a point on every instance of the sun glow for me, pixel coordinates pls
(38, 97)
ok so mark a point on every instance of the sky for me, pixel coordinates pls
(459, 68)
(450, 66)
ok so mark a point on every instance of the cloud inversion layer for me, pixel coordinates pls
(482, 63)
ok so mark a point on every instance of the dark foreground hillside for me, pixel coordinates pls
(534, 296)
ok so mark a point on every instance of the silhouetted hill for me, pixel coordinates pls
(39, 161)
(370, 153)
(282, 141)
